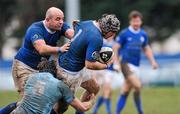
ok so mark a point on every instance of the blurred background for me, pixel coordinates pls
(161, 21)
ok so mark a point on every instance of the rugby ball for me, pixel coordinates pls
(105, 54)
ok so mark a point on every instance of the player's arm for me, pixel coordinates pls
(45, 49)
(83, 106)
(116, 64)
(116, 48)
(148, 52)
(96, 65)
(68, 32)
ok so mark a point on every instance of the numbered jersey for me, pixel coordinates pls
(42, 91)
(86, 42)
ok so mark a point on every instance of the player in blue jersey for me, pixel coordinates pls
(105, 78)
(131, 41)
(87, 42)
(40, 41)
(43, 90)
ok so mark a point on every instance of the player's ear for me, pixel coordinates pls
(47, 19)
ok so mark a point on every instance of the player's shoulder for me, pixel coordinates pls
(36, 26)
(143, 31)
(86, 22)
(124, 31)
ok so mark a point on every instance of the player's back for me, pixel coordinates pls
(85, 33)
(42, 91)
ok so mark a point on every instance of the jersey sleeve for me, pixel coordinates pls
(94, 46)
(35, 34)
(65, 27)
(67, 94)
(145, 43)
(120, 39)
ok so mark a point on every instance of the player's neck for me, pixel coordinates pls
(97, 25)
(46, 27)
(133, 30)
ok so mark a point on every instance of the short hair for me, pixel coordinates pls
(47, 66)
(134, 14)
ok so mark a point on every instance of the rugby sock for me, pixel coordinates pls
(8, 109)
(80, 112)
(137, 101)
(98, 104)
(108, 105)
(121, 103)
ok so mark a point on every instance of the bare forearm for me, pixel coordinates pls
(48, 50)
(95, 65)
(148, 52)
(81, 106)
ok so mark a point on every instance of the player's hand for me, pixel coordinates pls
(65, 47)
(92, 98)
(75, 22)
(112, 60)
(154, 65)
(116, 66)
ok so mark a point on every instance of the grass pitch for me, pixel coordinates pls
(159, 100)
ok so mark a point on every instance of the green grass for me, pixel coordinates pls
(160, 100)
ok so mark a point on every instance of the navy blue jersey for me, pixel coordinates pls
(27, 53)
(87, 41)
(131, 45)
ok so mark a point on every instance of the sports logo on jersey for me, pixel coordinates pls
(142, 39)
(35, 36)
(129, 38)
(95, 55)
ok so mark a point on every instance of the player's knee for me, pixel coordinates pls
(91, 86)
(125, 93)
(138, 87)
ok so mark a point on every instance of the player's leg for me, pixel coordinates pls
(8, 109)
(99, 75)
(89, 83)
(136, 84)
(73, 81)
(137, 93)
(107, 90)
(125, 90)
(90, 86)
(20, 74)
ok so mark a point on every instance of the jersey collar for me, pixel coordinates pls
(50, 31)
(133, 31)
(95, 24)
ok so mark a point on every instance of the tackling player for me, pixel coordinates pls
(43, 90)
(131, 41)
